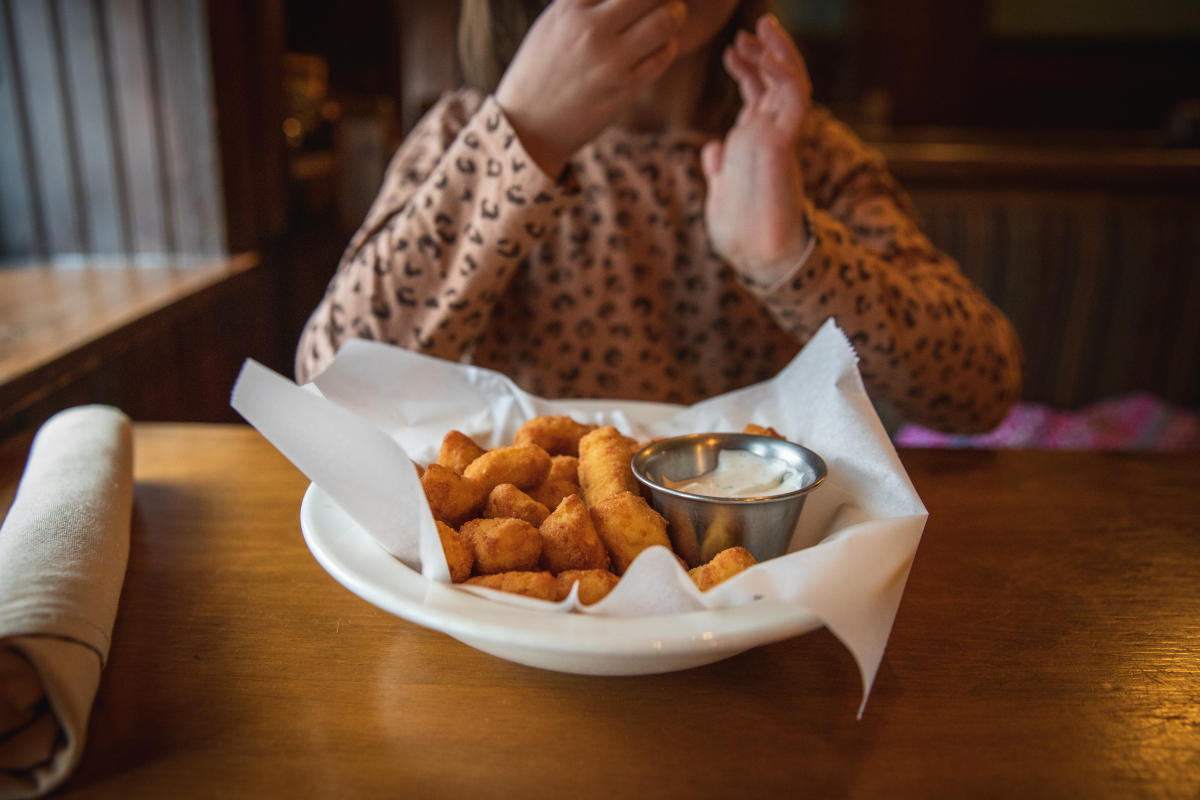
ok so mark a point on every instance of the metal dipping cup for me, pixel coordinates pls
(702, 526)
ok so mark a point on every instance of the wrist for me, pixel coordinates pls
(541, 148)
(766, 266)
(767, 271)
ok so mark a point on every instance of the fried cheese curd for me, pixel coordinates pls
(606, 464)
(558, 435)
(724, 565)
(628, 525)
(760, 430)
(594, 584)
(556, 508)
(562, 481)
(452, 498)
(541, 585)
(522, 465)
(460, 555)
(458, 450)
(507, 500)
(503, 545)
(570, 540)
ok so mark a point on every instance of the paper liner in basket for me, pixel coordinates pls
(377, 408)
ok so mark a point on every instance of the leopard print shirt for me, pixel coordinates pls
(603, 283)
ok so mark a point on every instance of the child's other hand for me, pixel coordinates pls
(580, 65)
(754, 208)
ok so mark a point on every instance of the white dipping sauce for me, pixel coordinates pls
(742, 474)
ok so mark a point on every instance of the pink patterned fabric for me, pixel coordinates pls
(1131, 422)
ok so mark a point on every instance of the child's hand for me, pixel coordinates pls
(755, 186)
(580, 65)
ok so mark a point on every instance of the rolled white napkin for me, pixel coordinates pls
(63, 552)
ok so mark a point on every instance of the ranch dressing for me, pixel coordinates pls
(742, 474)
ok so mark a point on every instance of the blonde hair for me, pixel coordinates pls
(490, 31)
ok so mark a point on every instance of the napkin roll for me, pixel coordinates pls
(63, 550)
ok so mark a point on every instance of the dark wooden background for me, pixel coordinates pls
(145, 134)
(1054, 168)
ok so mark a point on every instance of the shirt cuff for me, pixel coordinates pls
(810, 229)
(498, 125)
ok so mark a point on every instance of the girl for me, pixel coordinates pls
(595, 216)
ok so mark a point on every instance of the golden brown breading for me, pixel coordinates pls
(452, 498)
(507, 500)
(605, 458)
(458, 450)
(723, 566)
(460, 555)
(503, 545)
(759, 430)
(541, 585)
(564, 468)
(556, 434)
(551, 492)
(570, 540)
(522, 465)
(628, 525)
(594, 584)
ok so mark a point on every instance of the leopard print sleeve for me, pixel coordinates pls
(930, 344)
(460, 206)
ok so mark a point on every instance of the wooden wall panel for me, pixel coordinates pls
(18, 225)
(110, 141)
(87, 94)
(49, 123)
(180, 32)
(1103, 288)
(109, 131)
(136, 126)
(246, 42)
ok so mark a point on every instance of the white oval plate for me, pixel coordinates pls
(579, 643)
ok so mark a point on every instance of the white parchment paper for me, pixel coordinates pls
(378, 408)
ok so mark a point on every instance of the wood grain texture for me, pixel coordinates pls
(140, 148)
(18, 220)
(34, 38)
(180, 33)
(246, 43)
(1045, 647)
(1100, 284)
(84, 65)
(60, 321)
(111, 144)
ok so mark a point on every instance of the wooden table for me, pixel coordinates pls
(1048, 644)
(69, 318)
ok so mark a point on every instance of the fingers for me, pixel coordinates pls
(652, 66)
(651, 40)
(770, 65)
(749, 46)
(623, 15)
(772, 50)
(777, 42)
(785, 54)
(746, 74)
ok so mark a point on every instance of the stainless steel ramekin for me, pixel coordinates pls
(702, 526)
